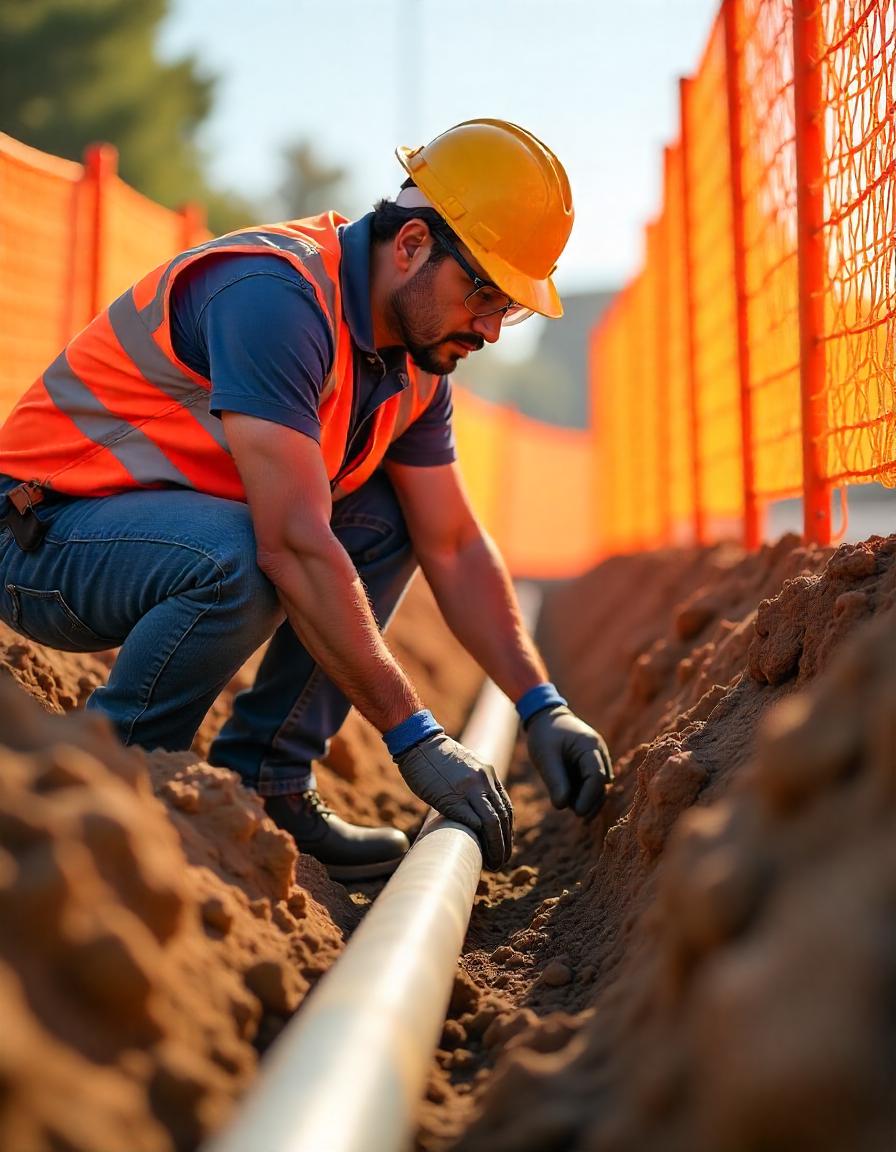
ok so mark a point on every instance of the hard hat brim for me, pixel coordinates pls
(539, 295)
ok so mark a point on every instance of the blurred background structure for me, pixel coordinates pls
(688, 407)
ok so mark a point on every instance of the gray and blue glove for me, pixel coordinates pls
(570, 756)
(459, 785)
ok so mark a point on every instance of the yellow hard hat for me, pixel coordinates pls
(507, 196)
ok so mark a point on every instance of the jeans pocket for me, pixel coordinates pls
(46, 618)
(366, 538)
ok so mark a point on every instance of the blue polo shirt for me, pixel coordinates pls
(251, 324)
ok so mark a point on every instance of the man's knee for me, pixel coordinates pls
(244, 588)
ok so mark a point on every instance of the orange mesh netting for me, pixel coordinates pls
(679, 480)
(43, 292)
(858, 77)
(547, 530)
(616, 410)
(764, 88)
(651, 443)
(530, 483)
(72, 239)
(787, 226)
(711, 262)
(640, 410)
(138, 234)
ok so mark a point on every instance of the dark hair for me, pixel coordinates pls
(389, 218)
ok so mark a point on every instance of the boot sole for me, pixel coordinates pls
(363, 871)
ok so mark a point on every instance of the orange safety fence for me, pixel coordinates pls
(777, 324)
(73, 237)
(43, 289)
(531, 485)
(713, 303)
(672, 335)
(614, 416)
(760, 55)
(857, 66)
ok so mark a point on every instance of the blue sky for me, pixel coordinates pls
(596, 80)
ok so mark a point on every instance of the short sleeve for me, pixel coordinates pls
(268, 347)
(429, 441)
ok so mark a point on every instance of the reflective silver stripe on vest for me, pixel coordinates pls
(162, 373)
(153, 312)
(145, 462)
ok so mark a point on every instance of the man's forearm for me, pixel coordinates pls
(327, 607)
(475, 595)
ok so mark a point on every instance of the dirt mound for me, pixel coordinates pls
(134, 984)
(726, 948)
(706, 968)
(643, 644)
(156, 930)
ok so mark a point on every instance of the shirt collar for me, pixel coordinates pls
(354, 275)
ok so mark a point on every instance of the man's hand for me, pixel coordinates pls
(572, 758)
(460, 786)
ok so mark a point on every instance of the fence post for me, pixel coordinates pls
(808, 117)
(594, 424)
(100, 166)
(752, 511)
(657, 233)
(691, 333)
(193, 224)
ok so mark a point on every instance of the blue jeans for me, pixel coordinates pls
(171, 577)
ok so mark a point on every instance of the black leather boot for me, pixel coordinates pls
(347, 851)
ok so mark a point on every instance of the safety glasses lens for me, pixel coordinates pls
(486, 301)
(516, 315)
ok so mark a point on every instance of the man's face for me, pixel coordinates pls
(434, 323)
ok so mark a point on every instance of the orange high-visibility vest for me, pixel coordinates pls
(117, 409)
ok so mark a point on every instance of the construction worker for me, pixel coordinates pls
(255, 441)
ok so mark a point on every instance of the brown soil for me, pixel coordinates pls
(709, 966)
(156, 930)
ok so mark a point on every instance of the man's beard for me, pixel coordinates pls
(412, 311)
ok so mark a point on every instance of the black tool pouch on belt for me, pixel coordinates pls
(19, 517)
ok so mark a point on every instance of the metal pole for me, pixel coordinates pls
(348, 1072)
(660, 247)
(691, 334)
(100, 165)
(808, 113)
(193, 224)
(752, 511)
(598, 469)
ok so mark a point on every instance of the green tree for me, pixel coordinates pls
(76, 71)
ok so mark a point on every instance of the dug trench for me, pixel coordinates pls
(707, 966)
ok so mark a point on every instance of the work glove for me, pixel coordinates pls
(572, 759)
(460, 786)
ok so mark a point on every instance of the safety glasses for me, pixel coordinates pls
(486, 299)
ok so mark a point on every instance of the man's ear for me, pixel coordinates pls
(412, 245)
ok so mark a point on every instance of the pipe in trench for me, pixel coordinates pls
(348, 1072)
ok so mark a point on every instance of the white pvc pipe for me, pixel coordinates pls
(348, 1072)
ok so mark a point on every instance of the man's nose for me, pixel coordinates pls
(489, 327)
